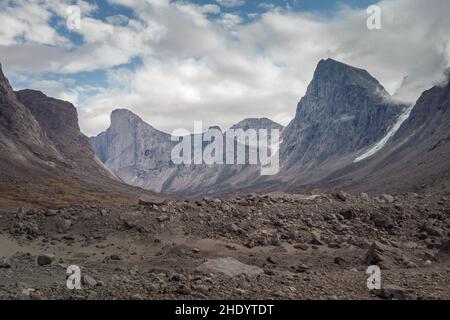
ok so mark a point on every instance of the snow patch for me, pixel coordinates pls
(380, 144)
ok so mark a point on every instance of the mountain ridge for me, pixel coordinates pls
(44, 156)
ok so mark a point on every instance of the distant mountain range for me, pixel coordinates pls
(348, 133)
(347, 130)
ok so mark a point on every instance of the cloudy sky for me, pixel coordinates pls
(219, 61)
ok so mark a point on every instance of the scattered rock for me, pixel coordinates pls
(63, 225)
(176, 277)
(301, 246)
(234, 227)
(340, 261)
(444, 251)
(432, 230)
(151, 200)
(271, 260)
(392, 293)
(347, 214)
(301, 268)
(388, 198)
(382, 221)
(43, 260)
(21, 213)
(163, 218)
(115, 257)
(341, 195)
(88, 281)
(4, 264)
(230, 267)
(51, 213)
(316, 238)
(382, 255)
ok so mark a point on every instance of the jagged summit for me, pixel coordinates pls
(257, 123)
(343, 111)
(41, 146)
(124, 119)
(331, 75)
(124, 114)
(6, 91)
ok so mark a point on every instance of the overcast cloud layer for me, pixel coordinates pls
(176, 62)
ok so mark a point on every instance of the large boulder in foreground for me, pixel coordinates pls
(230, 267)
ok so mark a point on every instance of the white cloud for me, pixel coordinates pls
(199, 63)
(231, 3)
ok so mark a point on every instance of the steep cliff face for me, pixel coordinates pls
(20, 133)
(59, 121)
(24, 144)
(43, 154)
(138, 153)
(344, 111)
(141, 155)
(417, 156)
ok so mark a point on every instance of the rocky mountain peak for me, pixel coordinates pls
(331, 75)
(215, 128)
(257, 123)
(124, 120)
(123, 115)
(344, 111)
(6, 91)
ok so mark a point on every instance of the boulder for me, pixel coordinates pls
(392, 293)
(4, 264)
(341, 195)
(151, 200)
(388, 198)
(163, 218)
(229, 267)
(44, 259)
(444, 251)
(381, 255)
(88, 281)
(382, 221)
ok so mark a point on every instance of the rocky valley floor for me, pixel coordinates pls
(275, 246)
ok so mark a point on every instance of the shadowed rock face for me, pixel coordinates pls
(141, 155)
(138, 153)
(417, 156)
(19, 130)
(41, 146)
(344, 111)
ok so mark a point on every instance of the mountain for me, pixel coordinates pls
(138, 153)
(141, 156)
(257, 123)
(344, 111)
(416, 157)
(44, 156)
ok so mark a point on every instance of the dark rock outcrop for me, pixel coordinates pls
(44, 154)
